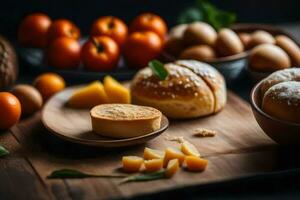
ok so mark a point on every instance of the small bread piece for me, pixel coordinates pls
(290, 47)
(292, 74)
(124, 120)
(283, 101)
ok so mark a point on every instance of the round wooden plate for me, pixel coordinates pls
(75, 124)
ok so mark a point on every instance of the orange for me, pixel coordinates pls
(112, 27)
(49, 84)
(149, 22)
(10, 110)
(141, 47)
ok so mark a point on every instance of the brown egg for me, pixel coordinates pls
(174, 43)
(29, 97)
(228, 43)
(245, 38)
(199, 52)
(268, 58)
(200, 33)
(260, 37)
(290, 47)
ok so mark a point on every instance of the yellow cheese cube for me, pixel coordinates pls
(189, 149)
(153, 165)
(152, 154)
(116, 92)
(132, 163)
(194, 163)
(172, 167)
(88, 96)
(172, 153)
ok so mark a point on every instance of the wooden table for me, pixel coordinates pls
(34, 153)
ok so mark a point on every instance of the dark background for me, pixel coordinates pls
(83, 12)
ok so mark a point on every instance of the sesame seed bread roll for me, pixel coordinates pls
(184, 94)
(292, 74)
(283, 101)
(212, 78)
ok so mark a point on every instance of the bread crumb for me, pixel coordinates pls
(202, 132)
(175, 138)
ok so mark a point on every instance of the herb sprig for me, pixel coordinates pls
(158, 69)
(71, 173)
(3, 151)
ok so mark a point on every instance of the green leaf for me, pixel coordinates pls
(190, 15)
(209, 13)
(214, 16)
(71, 173)
(158, 69)
(145, 177)
(3, 151)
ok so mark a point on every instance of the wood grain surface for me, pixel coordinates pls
(240, 148)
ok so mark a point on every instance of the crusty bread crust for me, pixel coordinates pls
(124, 120)
(192, 89)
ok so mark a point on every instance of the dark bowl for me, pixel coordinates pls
(282, 132)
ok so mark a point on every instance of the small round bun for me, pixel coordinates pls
(290, 47)
(268, 58)
(198, 52)
(228, 43)
(292, 74)
(200, 33)
(283, 101)
(260, 37)
(192, 89)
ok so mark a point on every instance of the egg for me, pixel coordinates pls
(260, 37)
(174, 42)
(29, 97)
(290, 47)
(228, 43)
(268, 58)
(245, 38)
(200, 33)
(199, 52)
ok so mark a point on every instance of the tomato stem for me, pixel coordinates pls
(98, 45)
(111, 23)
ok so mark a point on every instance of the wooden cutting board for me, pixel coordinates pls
(240, 148)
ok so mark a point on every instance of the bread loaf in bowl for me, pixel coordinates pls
(283, 101)
(192, 89)
(281, 95)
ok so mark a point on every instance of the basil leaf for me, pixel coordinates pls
(145, 177)
(190, 15)
(158, 69)
(71, 173)
(3, 151)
